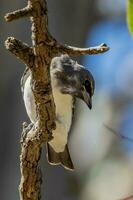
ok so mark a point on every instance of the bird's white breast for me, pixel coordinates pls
(63, 104)
(29, 101)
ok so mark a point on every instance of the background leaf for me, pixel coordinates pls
(130, 16)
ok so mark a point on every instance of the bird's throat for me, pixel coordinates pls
(64, 105)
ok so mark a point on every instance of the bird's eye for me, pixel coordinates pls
(88, 86)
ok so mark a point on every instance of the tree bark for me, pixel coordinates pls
(38, 58)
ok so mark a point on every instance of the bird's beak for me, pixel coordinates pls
(90, 104)
(82, 95)
(87, 99)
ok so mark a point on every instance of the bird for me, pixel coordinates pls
(69, 81)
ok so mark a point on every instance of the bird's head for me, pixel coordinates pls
(72, 78)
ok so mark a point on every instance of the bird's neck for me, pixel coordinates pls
(64, 107)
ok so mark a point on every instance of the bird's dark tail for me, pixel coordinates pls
(62, 158)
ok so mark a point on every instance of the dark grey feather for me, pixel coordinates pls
(62, 158)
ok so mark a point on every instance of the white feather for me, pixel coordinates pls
(63, 104)
(29, 100)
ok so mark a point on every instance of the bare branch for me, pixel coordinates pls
(38, 60)
(118, 134)
(25, 12)
(31, 142)
(20, 49)
(40, 33)
(82, 51)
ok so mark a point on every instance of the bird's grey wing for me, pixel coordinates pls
(24, 78)
(62, 158)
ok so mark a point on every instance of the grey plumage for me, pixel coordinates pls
(69, 81)
(62, 158)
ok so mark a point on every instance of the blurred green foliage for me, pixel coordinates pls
(130, 15)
